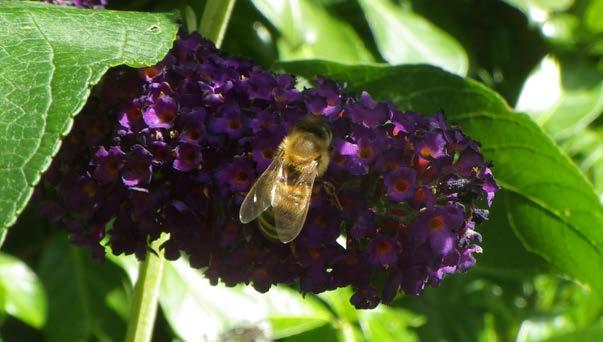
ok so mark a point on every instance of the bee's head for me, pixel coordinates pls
(316, 126)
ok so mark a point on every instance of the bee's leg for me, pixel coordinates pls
(332, 192)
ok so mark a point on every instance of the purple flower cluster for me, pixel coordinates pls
(80, 3)
(190, 136)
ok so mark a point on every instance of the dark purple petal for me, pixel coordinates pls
(137, 168)
(231, 124)
(400, 184)
(383, 252)
(369, 113)
(188, 157)
(162, 113)
(238, 176)
(108, 164)
(431, 146)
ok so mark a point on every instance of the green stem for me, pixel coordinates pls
(215, 19)
(146, 294)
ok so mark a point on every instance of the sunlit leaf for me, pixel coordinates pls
(348, 332)
(538, 10)
(22, 293)
(593, 16)
(339, 301)
(592, 334)
(309, 31)
(563, 96)
(389, 324)
(404, 37)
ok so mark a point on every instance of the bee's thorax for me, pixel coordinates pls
(302, 148)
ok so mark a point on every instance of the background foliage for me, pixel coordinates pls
(541, 274)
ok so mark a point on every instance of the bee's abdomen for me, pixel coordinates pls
(290, 203)
(267, 225)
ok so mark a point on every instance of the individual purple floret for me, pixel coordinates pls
(189, 137)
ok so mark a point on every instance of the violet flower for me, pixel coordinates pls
(202, 126)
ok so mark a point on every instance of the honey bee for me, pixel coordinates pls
(280, 197)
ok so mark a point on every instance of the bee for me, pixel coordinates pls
(280, 197)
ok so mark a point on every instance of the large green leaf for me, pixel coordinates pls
(50, 56)
(549, 204)
(404, 37)
(21, 294)
(504, 255)
(86, 300)
(309, 31)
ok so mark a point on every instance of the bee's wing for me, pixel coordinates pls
(259, 198)
(291, 200)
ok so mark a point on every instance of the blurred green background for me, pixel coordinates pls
(544, 58)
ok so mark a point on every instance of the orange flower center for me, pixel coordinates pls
(365, 153)
(437, 222)
(134, 114)
(234, 124)
(194, 134)
(242, 177)
(401, 185)
(420, 195)
(426, 151)
(150, 72)
(383, 247)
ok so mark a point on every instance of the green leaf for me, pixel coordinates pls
(458, 309)
(563, 95)
(593, 16)
(348, 332)
(50, 56)
(23, 295)
(550, 205)
(540, 8)
(326, 332)
(404, 37)
(504, 255)
(186, 293)
(591, 334)
(309, 31)
(82, 295)
(339, 302)
(389, 324)
(587, 149)
(3, 232)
